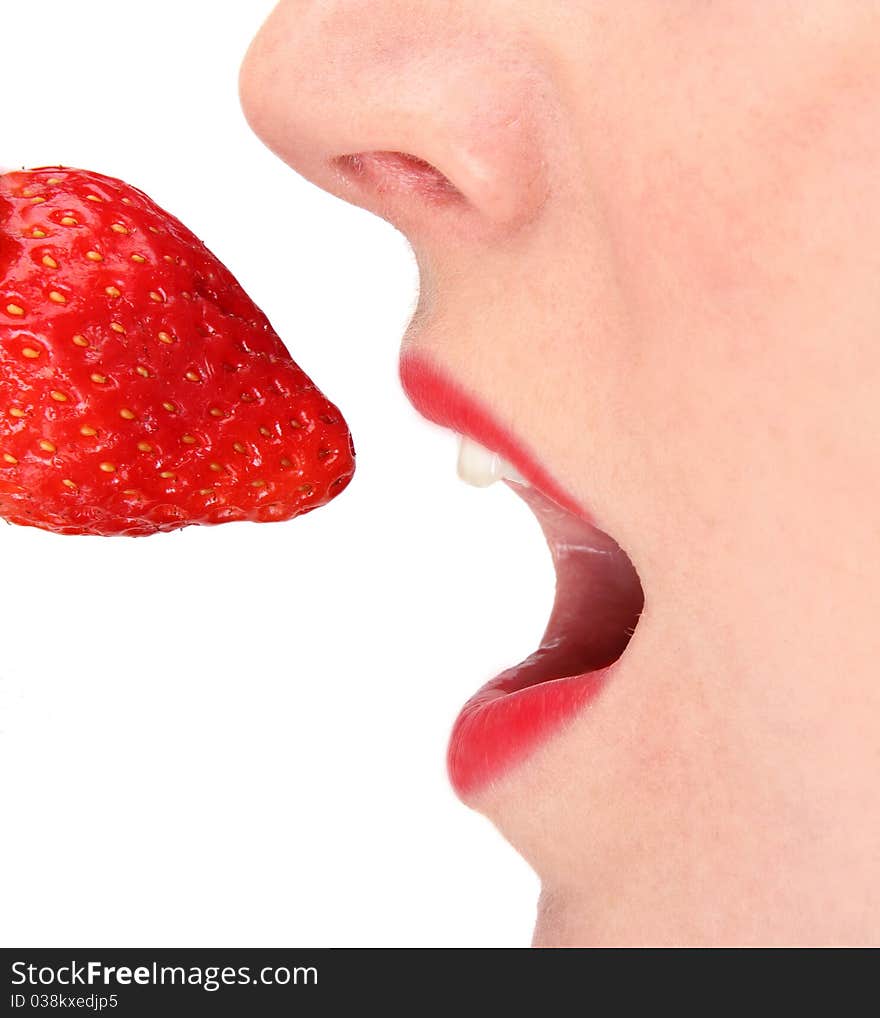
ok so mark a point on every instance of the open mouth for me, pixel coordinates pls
(595, 611)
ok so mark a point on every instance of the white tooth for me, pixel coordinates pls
(481, 467)
(476, 465)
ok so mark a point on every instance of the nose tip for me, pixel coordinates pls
(395, 106)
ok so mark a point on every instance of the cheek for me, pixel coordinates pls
(735, 237)
(705, 243)
(707, 229)
(746, 189)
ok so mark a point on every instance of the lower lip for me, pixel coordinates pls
(501, 726)
(505, 722)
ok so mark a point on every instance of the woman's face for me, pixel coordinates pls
(648, 243)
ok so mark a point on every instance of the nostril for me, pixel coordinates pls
(390, 173)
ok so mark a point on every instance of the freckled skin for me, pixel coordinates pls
(661, 275)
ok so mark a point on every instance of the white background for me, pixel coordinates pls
(235, 736)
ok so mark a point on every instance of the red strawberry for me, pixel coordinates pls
(140, 387)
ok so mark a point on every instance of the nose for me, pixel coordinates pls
(404, 107)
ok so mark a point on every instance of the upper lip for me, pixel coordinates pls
(437, 397)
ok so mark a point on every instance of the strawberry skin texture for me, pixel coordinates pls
(141, 390)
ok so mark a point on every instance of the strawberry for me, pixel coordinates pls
(141, 389)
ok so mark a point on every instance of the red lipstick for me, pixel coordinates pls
(596, 608)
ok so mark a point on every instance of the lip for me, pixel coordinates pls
(441, 400)
(506, 721)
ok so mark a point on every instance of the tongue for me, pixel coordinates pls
(597, 604)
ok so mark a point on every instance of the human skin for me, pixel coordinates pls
(663, 274)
